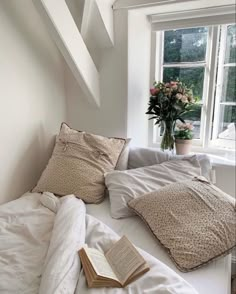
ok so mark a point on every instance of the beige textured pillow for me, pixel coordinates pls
(78, 164)
(194, 220)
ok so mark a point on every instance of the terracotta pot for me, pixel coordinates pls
(183, 147)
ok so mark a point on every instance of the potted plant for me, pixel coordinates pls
(183, 138)
(167, 104)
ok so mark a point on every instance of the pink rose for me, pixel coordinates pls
(154, 91)
(189, 126)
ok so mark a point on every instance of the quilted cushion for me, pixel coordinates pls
(194, 221)
(78, 164)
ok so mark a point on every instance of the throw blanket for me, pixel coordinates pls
(39, 251)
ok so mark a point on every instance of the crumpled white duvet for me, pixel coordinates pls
(39, 251)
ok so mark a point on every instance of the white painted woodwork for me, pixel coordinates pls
(106, 13)
(151, 7)
(193, 17)
(70, 42)
(97, 23)
(76, 8)
(194, 22)
(193, 13)
(111, 118)
(129, 4)
(86, 17)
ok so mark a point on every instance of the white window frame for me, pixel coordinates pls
(219, 89)
(208, 104)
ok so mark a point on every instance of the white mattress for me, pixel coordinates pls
(212, 278)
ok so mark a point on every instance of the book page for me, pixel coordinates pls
(100, 264)
(124, 259)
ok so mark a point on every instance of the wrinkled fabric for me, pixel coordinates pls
(39, 251)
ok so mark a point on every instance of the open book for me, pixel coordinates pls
(119, 266)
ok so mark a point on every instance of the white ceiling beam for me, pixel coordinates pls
(64, 31)
(97, 22)
(106, 14)
(86, 17)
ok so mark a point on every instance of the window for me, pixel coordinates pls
(205, 58)
(225, 102)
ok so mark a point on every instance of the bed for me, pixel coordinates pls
(43, 252)
(40, 234)
(38, 259)
(213, 278)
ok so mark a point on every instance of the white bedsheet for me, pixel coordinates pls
(212, 278)
(25, 233)
(29, 263)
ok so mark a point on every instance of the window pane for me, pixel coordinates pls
(194, 117)
(185, 45)
(227, 122)
(193, 76)
(230, 56)
(229, 85)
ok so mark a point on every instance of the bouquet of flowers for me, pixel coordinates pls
(184, 131)
(169, 102)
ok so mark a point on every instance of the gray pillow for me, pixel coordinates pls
(139, 157)
(126, 185)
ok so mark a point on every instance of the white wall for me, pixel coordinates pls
(32, 97)
(139, 60)
(111, 118)
(124, 80)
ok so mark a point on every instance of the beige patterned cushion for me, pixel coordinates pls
(78, 164)
(193, 220)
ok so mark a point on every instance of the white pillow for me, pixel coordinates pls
(139, 157)
(124, 186)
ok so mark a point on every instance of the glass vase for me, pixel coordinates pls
(167, 142)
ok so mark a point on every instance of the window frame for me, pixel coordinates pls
(209, 87)
(215, 141)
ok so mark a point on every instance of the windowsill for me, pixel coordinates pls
(218, 156)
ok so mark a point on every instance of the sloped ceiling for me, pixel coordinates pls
(90, 20)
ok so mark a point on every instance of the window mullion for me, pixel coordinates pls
(219, 83)
(229, 64)
(157, 48)
(211, 69)
(185, 64)
(203, 138)
(159, 55)
(162, 54)
(159, 73)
